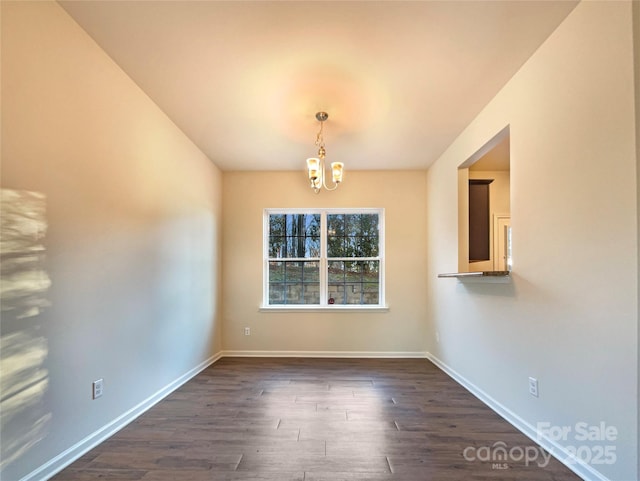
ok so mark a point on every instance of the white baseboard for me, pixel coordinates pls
(579, 467)
(329, 354)
(67, 457)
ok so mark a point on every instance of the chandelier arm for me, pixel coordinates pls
(335, 186)
(324, 179)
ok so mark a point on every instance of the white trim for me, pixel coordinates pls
(496, 236)
(579, 467)
(64, 459)
(328, 354)
(316, 308)
(324, 264)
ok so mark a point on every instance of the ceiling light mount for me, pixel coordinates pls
(315, 165)
(322, 116)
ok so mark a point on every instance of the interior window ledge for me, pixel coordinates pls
(497, 277)
(334, 308)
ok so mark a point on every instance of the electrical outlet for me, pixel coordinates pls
(247, 331)
(533, 386)
(97, 388)
(437, 337)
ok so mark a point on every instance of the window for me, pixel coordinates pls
(324, 258)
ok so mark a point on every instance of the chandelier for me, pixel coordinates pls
(317, 175)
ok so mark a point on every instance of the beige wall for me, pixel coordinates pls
(570, 316)
(131, 245)
(399, 330)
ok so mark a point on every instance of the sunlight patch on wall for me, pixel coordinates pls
(24, 284)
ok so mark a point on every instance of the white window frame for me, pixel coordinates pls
(323, 261)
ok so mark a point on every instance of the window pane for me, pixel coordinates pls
(276, 246)
(354, 282)
(311, 272)
(354, 293)
(277, 225)
(276, 272)
(276, 293)
(335, 224)
(352, 224)
(371, 293)
(294, 294)
(336, 271)
(311, 293)
(369, 225)
(312, 247)
(336, 294)
(367, 246)
(335, 246)
(294, 235)
(352, 235)
(293, 272)
(293, 282)
(352, 271)
(370, 271)
(350, 246)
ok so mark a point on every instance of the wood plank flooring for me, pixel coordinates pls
(285, 419)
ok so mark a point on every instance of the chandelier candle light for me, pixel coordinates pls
(316, 164)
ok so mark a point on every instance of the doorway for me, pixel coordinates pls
(502, 242)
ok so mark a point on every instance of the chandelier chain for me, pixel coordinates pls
(320, 141)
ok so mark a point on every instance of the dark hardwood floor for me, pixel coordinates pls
(317, 419)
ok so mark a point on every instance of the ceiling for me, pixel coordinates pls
(244, 80)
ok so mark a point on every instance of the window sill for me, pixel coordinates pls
(334, 308)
